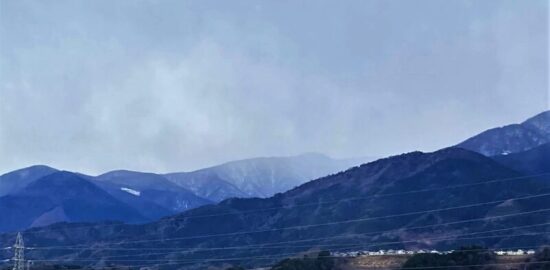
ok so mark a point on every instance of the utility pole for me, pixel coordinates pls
(19, 253)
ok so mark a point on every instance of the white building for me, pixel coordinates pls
(515, 253)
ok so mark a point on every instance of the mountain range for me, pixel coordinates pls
(151, 196)
(494, 193)
(342, 210)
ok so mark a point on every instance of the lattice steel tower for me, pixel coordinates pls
(19, 253)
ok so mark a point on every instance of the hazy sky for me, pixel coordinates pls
(177, 85)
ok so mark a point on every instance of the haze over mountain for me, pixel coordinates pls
(171, 86)
(512, 138)
(260, 177)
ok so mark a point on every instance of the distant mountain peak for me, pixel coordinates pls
(540, 122)
(16, 180)
(512, 138)
(32, 168)
(39, 167)
(540, 116)
(260, 177)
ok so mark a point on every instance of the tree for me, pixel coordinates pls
(235, 268)
(322, 261)
(541, 260)
(472, 255)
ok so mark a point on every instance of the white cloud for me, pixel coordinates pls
(166, 86)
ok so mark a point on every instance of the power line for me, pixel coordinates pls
(372, 218)
(334, 223)
(275, 255)
(337, 245)
(426, 226)
(263, 245)
(266, 257)
(302, 205)
(453, 237)
(381, 243)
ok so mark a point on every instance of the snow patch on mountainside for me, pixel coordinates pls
(131, 191)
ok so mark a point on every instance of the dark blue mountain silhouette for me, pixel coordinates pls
(62, 197)
(533, 161)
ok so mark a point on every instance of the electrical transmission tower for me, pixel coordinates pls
(19, 253)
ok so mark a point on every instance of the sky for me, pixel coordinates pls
(165, 86)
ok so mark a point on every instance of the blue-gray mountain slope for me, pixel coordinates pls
(513, 138)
